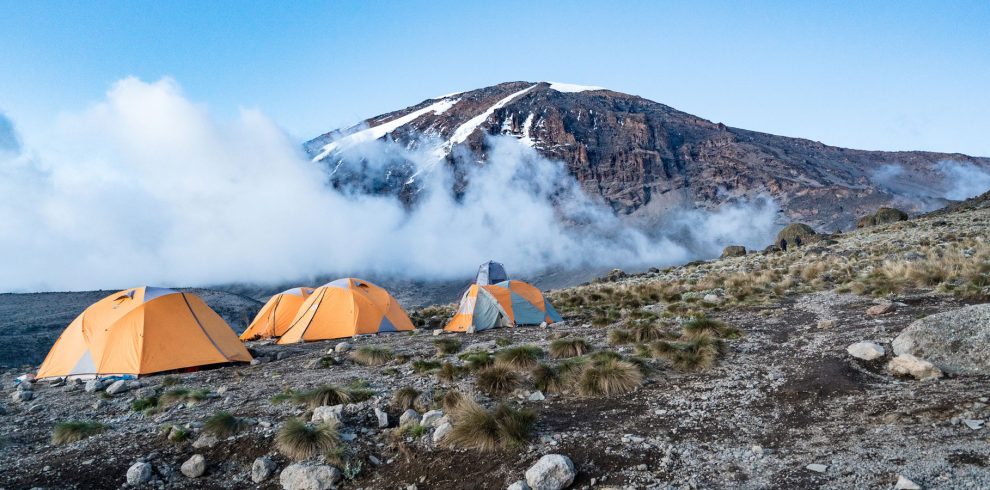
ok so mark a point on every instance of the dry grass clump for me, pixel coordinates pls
(609, 376)
(145, 405)
(568, 347)
(223, 424)
(497, 380)
(448, 372)
(298, 440)
(474, 427)
(691, 353)
(451, 400)
(405, 398)
(75, 430)
(478, 360)
(184, 395)
(328, 395)
(447, 346)
(521, 357)
(619, 336)
(372, 356)
(703, 325)
(425, 366)
(547, 379)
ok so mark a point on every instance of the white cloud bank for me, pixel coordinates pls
(146, 187)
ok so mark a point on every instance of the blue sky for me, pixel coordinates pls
(873, 75)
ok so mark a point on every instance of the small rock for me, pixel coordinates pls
(374, 460)
(537, 396)
(908, 365)
(431, 418)
(519, 485)
(826, 324)
(409, 417)
(881, 309)
(262, 469)
(441, 431)
(94, 385)
(973, 424)
(551, 472)
(21, 396)
(711, 298)
(194, 466)
(817, 468)
(205, 440)
(138, 474)
(301, 476)
(382, 418)
(342, 347)
(905, 484)
(327, 414)
(866, 351)
(119, 386)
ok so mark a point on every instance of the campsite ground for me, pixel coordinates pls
(784, 395)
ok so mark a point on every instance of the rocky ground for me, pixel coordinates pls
(785, 406)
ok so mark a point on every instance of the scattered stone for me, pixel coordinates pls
(551, 472)
(866, 351)
(94, 385)
(139, 473)
(325, 414)
(881, 309)
(908, 365)
(973, 424)
(205, 440)
(956, 341)
(119, 386)
(441, 431)
(300, 476)
(382, 418)
(431, 418)
(409, 417)
(537, 396)
(817, 468)
(342, 347)
(905, 484)
(262, 469)
(19, 396)
(826, 324)
(519, 485)
(194, 467)
(733, 251)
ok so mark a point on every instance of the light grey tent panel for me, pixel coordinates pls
(491, 272)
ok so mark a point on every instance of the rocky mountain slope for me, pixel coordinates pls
(642, 157)
(782, 369)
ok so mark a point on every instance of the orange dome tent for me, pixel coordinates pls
(344, 308)
(141, 331)
(524, 303)
(277, 314)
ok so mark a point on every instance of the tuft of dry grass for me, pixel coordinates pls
(184, 395)
(497, 380)
(425, 366)
(329, 395)
(298, 440)
(703, 325)
(372, 356)
(474, 427)
(447, 346)
(690, 354)
(451, 400)
(448, 372)
(520, 357)
(619, 336)
(223, 424)
(75, 430)
(609, 376)
(547, 379)
(405, 398)
(475, 361)
(568, 347)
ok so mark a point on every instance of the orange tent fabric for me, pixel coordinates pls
(479, 310)
(344, 308)
(524, 303)
(277, 314)
(141, 331)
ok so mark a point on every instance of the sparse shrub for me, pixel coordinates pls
(282, 397)
(451, 400)
(424, 366)
(372, 356)
(520, 357)
(618, 336)
(694, 353)
(497, 380)
(567, 347)
(328, 361)
(178, 434)
(412, 430)
(223, 424)
(609, 376)
(503, 341)
(144, 404)
(298, 440)
(405, 398)
(703, 325)
(359, 390)
(329, 395)
(184, 395)
(448, 372)
(645, 331)
(171, 380)
(547, 379)
(475, 361)
(75, 430)
(477, 428)
(447, 346)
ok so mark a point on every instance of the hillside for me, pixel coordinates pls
(762, 393)
(641, 157)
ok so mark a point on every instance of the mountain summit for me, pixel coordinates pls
(644, 158)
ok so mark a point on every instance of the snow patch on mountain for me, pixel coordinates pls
(527, 126)
(572, 88)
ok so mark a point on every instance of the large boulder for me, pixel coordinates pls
(733, 251)
(302, 476)
(956, 341)
(551, 472)
(881, 217)
(794, 235)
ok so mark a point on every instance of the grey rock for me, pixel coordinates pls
(21, 396)
(119, 386)
(956, 341)
(205, 440)
(519, 485)
(327, 414)
(302, 476)
(905, 484)
(382, 418)
(537, 396)
(973, 424)
(817, 468)
(909, 365)
(551, 472)
(431, 418)
(342, 347)
(441, 431)
(262, 469)
(139, 473)
(94, 385)
(194, 467)
(866, 351)
(409, 417)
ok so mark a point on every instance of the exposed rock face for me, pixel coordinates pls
(956, 341)
(794, 235)
(643, 157)
(881, 217)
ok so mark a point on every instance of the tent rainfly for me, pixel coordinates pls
(277, 314)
